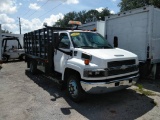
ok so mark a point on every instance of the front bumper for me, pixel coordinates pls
(104, 87)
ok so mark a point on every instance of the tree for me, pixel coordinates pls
(104, 13)
(132, 4)
(6, 31)
(64, 22)
(83, 16)
(91, 15)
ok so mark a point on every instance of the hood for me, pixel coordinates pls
(108, 53)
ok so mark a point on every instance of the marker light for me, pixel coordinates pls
(74, 22)
(94, 29)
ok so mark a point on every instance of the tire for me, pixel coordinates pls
(144, 70)
(74, 89)
(22, 57)
(5, 58)
(33, 67)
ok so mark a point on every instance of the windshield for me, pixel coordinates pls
(89, 40)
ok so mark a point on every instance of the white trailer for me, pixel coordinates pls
(137, 31)
(99, 26)
(88, 26)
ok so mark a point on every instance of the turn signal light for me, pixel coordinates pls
(86, 61)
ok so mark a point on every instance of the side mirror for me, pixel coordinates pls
(115, 42)
(70, 53)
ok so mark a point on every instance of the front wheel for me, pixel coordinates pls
(5, 58)
(74, 89)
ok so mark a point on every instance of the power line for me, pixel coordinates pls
(29, 10)
(52, 9)
(39, 7)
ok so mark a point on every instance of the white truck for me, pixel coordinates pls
(11, 46)
(137, 31)
(83, 61)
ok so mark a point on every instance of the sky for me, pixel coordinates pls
(33, 13)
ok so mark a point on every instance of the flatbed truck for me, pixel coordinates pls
(82, 61)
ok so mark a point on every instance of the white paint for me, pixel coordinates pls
(100, 26)
(100, 58)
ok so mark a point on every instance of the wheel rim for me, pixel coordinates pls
(73, 88)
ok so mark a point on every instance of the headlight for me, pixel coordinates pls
(95, 73)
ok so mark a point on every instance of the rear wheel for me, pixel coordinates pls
(74, 89)
(33, 67)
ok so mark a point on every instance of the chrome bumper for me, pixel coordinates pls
(104, 87)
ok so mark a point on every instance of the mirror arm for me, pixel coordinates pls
(68, 53)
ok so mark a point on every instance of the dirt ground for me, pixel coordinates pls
(27, 97)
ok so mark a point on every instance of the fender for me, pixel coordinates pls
(73, 64)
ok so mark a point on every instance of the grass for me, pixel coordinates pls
(141, 90)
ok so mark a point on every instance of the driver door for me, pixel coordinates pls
(60, 57)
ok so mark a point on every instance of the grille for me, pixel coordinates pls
(120, 63)
(122, 71)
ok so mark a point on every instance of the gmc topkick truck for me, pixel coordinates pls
(82, 61)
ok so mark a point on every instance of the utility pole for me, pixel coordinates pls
(20, 25)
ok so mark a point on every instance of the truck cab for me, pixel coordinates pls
(85, 62)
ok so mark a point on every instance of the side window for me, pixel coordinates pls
(64, 41)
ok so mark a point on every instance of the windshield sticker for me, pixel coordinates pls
(75, 34)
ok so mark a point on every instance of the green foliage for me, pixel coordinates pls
(6, 31)
(83, 16)
(140, 86)
(144, 92)
(132, 4)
